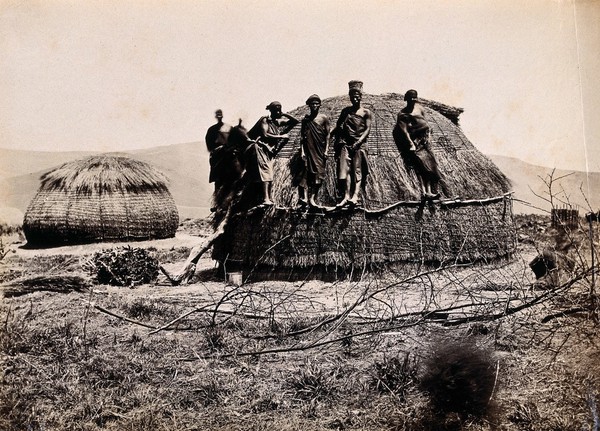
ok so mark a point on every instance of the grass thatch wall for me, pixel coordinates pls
(409, 232)
(479, 226)
(100, 198)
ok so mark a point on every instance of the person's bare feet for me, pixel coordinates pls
(343, 202)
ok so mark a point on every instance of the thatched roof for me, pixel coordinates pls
(101, 198)
(106, 173)
(467, 172)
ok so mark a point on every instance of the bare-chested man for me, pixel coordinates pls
(314, 134)
(351, 133)
(411, 134)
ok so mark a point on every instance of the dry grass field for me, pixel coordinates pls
(452, 347)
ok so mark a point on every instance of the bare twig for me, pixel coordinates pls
(118, 316)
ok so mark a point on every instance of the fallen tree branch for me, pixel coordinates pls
(118, 316)
(177, 319)
(406, 323)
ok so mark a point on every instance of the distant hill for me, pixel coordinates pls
(17, 162)
(527, 183)
(186, 166)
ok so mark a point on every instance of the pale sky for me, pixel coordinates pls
(113, 75)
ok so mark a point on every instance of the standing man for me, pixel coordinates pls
(216, 139)
(412, 136)
(351, 133)
(315, 131)
(271, 134)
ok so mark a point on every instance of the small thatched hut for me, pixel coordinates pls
(100, 198)
(472, 222)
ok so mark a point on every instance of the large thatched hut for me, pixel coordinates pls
(473, 221)
(100, 198)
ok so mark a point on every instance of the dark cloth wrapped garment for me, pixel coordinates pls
(314, 145)
(220, 157)
(259, 156)
(422, 159)
(352, 129)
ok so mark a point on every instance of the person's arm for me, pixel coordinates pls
(327, 125)
(290, 123)
(365, 134)
(402, 127)
(303, 137)
(337, 131)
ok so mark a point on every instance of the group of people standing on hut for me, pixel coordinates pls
(350, 134)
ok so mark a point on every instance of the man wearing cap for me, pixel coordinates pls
(315, 130)
(351, 133)
(412, 136)
(216, 139)
(271, 134)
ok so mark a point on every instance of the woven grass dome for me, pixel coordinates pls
(473, 221)
(100, 198)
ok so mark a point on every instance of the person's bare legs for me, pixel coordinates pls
(313, 191)
(267, 185)
(430, 191)
(347, 188)
(303, 195)
(356, 194)
(422, 186)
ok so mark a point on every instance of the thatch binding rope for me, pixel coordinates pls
(101, 198)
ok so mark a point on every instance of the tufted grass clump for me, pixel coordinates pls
(395, 374)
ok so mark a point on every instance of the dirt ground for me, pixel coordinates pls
(384, 351)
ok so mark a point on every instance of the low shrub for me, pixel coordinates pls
(125, 266)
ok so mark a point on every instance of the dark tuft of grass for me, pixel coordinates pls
(395, 374)
(215, 338)
(313, 383)
(211, 392)
(143, 308)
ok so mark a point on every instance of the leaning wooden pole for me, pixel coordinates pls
(593, 285)
(185, 274)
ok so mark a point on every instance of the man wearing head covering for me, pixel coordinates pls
(216, 139)
(351, 133)
(412, 136)
(270, 134)
(314, 144)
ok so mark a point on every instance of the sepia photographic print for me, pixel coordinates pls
(319, 215)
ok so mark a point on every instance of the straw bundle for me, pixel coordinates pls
(100, 198)
(396, 226)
